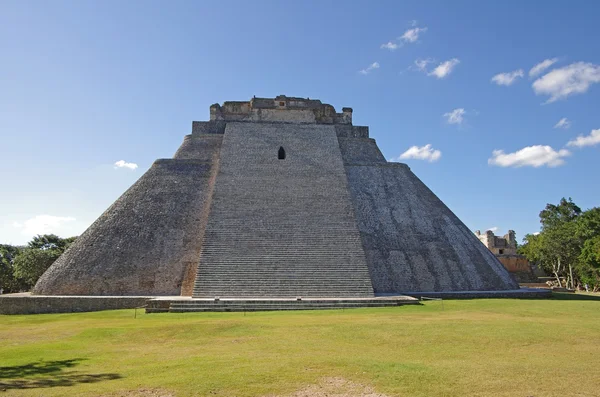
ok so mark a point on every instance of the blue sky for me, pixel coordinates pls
(84, 84)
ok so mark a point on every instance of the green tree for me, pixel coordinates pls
(8, 281)
(531, 247)
(50, 241)
(31, 263)
(557, 247)
(588, 232)
(589, 265)
(588, 224)
(557, 215)
(561, 249)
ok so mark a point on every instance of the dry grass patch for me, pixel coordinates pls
(336, 387)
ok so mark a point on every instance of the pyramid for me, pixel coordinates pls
(276, 198)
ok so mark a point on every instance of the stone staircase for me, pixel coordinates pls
(281, 228)
(251, 265)
(175, 305)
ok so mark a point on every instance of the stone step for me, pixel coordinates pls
(249, 305)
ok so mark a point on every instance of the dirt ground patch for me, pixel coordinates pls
(141, 393)
(336, 387)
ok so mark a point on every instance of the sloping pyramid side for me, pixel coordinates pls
(147, 243)
(412, 241)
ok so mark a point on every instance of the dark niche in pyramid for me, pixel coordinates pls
(276, 197)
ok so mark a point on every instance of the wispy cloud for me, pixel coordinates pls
(493, 229)
(390, 46)
(420, 153)
(507, 78)
(42, 224)
(533, 156)
(421, 64)
(588, 140)
(412, 35)
(444, 68)
(540, 67)
(368, 69)
(456, 116)
(563, 123)
(124, 164)
(569, 80)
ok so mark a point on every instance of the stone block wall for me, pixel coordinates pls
(19, 304)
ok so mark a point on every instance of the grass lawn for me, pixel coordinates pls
(470, 348)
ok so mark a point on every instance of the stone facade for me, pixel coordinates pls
(505, 249)
(276, 197)
(506, 245)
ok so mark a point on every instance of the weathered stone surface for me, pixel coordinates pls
(281, 227)
(358, 151)
(145, 242)
(208, 127)
(27, 304)
(182, 305)
(521, 293)
(506, 245)
(204, 147)
(412, 241)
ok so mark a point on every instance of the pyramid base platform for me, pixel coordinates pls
(188, 305)
(26, 303)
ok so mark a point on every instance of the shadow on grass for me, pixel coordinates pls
(44, 374)
(570, 296)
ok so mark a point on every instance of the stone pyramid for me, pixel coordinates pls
(276, 197)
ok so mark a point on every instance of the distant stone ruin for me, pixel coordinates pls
(276, 197)
(505, 249)
(506, 245)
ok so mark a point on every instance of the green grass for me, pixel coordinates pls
(471, 348)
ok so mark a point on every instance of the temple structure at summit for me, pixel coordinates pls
(276, 198)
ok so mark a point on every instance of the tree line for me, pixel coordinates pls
(21, 267)
(568, 245)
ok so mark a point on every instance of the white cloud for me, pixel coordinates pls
(390, 46)
(412, 35)
(444, 68)
(124, 164)
(456, 116)
(42, 224)
(563, 123)
(589, 140)
(421, 64)
(493, 229)
(534, 156)
(368, 69)
(560, 83)
(507, 78)
(420, 153)
(540, 67)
